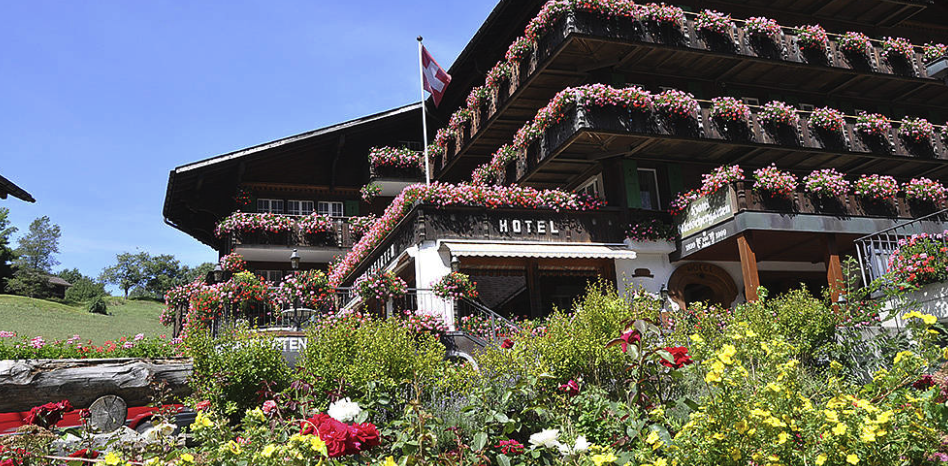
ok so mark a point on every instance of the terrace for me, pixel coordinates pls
(260, 245)
(582, 46)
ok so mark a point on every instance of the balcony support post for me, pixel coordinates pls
(834, 269)
(745, 247)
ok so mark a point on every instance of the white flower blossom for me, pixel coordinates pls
(581, 445)
(344, 410)
(547, 438)
(161, 430)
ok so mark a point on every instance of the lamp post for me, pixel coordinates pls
(664, 294)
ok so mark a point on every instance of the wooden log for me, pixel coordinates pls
(25, 383)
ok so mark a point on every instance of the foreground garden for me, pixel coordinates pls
(786, 380)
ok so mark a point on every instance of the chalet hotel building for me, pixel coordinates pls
(850, 99)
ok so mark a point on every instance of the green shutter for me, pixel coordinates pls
(633, 193)
(351, 208)
(675, 185)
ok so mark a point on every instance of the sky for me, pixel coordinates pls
(100, 99)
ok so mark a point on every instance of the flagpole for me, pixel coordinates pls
(424, 120)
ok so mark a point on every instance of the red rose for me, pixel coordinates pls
(85, 454)
(334, 433)
(361, 438)
(681, 356)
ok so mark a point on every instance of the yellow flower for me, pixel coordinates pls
(852, 459)
(268, 450)
(652, 437)
(928, 319)
(774, 387)
(903, 354)
(719, 436)
(234, 447)
(697, 339)
(868, 434)
(317, 444)
(201, 421)
(840, 429)
(712, 377)
(111, 459)
(257, 413)
(944, 353)
(740, 427)
(831, 415)
(821, 459)
(389, 461)
(735, 454)
(782, 438)
(187, 458)
(727, 352)
(660, 462)
(602, 459)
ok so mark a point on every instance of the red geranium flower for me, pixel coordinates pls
(680, 353)
(510, 447)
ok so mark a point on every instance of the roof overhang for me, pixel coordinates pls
(7, 187)
(540, 250)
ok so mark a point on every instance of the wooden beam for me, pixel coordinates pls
(748, 266)
(834, 269)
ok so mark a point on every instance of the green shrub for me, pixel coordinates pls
(230, 370)
(797, 316)
(97, 306)
(83, 290)
(357, 352)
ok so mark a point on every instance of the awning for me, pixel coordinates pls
(541, 251)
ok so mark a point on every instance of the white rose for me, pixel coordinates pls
(344, 410)
(547, 438)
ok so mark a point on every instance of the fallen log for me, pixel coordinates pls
(25, 383)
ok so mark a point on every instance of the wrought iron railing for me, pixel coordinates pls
(874, 251)
(482, 322)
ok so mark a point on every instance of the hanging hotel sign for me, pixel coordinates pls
(706, 238)
(705, 212)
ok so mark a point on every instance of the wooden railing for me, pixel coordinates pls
(340, 236)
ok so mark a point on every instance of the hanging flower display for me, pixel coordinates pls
(826, 183)
(360, 225)
(499, 74)
(721, 177)
(827, 119)
(772, 181)
(315, 223)
(308, 288)
(380, 286)
(445, 195)
(878, 187)
(759, 26)
(455, 285)
(259, 223)
(920, 259)
(934, 51)
(422, 321)
(713, 22)
(400, 157)
(459, 120)
(916, 130)
(521, 48)
(244, 197)
(897, 48)
(662, 15)
(478, 98)
(441, 140)
(491, 172)
(178, 298)
(674, 103)
(778, 113)
(812, 37)
(370, 191)
(652, 229)
(233, 263)
(855, 43)
(873, 124)
(924, 189)
(730, 110)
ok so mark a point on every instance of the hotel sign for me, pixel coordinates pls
(519, 226)
(706, 212)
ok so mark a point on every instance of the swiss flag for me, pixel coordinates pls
(436, 80)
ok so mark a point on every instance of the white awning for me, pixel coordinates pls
(541, 251)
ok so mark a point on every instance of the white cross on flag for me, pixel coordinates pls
(436, 80)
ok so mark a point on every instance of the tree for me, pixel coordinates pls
(161, 273)
(35, 259)
(71, 275)
(7, 255)
(197, 273)
(83, 287)
(128, 272)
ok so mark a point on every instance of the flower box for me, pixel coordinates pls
(610, 118)
(397, 172)
(651, 247)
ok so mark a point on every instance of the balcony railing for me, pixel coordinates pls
(874, 251)
(585, 133)
(340, 236)
(386, 172)
(627, 45)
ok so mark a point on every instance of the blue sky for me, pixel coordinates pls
(102, 98)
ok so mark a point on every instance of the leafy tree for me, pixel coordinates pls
(7, 255)
(161, 273)
(35, 259)
(128, 271)
(71, 275)
(85, 289)
(197, 273)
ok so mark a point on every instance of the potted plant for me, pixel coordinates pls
(233, 263)
(762, 28)
(916, 131)
(877, 193)
(826, 183)
(307, 288)
(730, 110)
(924, 190)
(778, 116)
(478, 102)
(653, 229)
(380, 286)
(710, 22)
(812, 40)
(828, 124)
(873, 125)
(318, 228)
(774, 183)
(455, 286)
(720, 177)
(370, 191)
(856, 46)
(395, 162)
(676, 105)
(897, 50)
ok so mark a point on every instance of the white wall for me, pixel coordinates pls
(430, 265)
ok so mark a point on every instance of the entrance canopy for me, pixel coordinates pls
(540, 251)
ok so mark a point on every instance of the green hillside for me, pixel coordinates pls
(32, 317)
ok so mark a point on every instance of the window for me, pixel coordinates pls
(272, 276)
(295, 207)
(273, 206)
(331, 208)
(807, 107)
(752, 101)
(592, 187)
(648, 189)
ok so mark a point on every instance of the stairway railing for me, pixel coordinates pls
(482, 322)
(874, 251)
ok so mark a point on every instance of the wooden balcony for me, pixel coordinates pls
(585, 136)
(392, 180)
(259, 246)
(585, 48)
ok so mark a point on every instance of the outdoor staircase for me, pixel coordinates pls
(465, 345)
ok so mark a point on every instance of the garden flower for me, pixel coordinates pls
(547, 438)
(202, 405)
(681, 356)
(344, 410)
(631, 336)
(507, 343)
(571, 388)
(85, 453)
(159, 431)
(111, 459)
(268, 450)
(510, 447)
(201, 421)
(852, 458)
(580, 446)
(269, 407)
(6, 334)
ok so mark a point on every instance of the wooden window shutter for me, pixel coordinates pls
(633, 194)
(351, 208)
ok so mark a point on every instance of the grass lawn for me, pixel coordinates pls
(31, 317)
